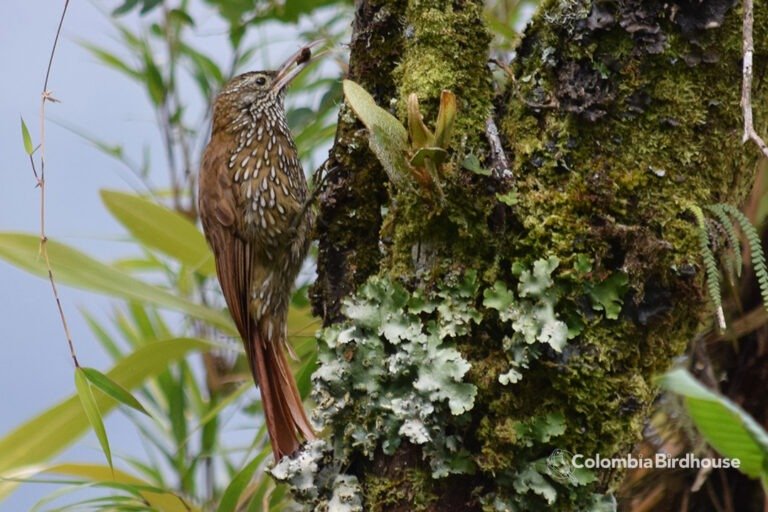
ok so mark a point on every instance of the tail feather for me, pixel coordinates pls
(283, 409)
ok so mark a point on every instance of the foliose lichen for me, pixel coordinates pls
(392, 373)
(532, 315)
(385, 376)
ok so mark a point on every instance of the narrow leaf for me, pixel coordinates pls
(74, 268)
(231, 496)
(445, 118)
(153, 79)
(421, 136)
(91, 409)
(112, 389)
(161, 228)
(42, 437)
(27, 139)
(158, 499)
(111, 60)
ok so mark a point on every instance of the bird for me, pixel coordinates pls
(251, 199)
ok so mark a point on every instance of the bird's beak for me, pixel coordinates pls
(293, 66)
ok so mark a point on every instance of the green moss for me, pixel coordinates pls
(447, 48)
(410, 489)
(350, 214)
(609, 136)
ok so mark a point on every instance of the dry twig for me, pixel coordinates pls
(40, 178)
(746, 85)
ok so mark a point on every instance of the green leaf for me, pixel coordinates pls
(725, 425)
(161, 228)
(181, 17)
(92, 412)
(421, 136)
(387, 138)
(240, 481)
(74, 268)
(445, 118)
(158, 499)
(126, 7)
(436, 155)
(112, 389)
(49, 433)
(27, 139)
(153, 79)
(101, 335)
(111, 60)
(206, 70)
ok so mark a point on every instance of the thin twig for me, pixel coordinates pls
(45, 97)
(746, 85)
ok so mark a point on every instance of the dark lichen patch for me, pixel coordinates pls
(583, 90)
(694, 17)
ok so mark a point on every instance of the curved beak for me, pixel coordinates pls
(293, 66)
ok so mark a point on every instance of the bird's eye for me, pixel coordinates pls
(261, 80)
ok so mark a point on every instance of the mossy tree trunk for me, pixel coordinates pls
(567, 281)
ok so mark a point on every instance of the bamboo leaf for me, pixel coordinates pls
(158, 499)
(27, 138)
(112, 389)
(92, 412)
(75, 268)
(161, 228)
(153, 79)
(111, 60)
(233, 492)
(47, 434)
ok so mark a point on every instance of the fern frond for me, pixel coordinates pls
(719, 211)
(710, 264)
(755, 249)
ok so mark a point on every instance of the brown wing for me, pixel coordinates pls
(234, 258)
(235, 266)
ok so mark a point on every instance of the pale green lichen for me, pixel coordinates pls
(385, 375)
(347, 495)
(531, 314)
(544, 483)
(392, 373)
(300, 471)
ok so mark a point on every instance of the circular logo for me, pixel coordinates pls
(559, 465)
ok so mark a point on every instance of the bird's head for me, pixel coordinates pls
(256, 91)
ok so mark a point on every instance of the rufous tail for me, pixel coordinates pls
(284, 413)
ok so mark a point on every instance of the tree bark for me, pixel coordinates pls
(614, 117)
